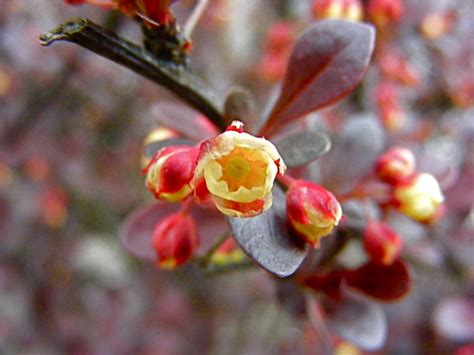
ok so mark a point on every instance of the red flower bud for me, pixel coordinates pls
(382, 243)
(312, 211)
(170, 172)
(154, 12)
(396, 67)
(395, 165)
(54, 204)
(385, 12)
(175, 239)
(75, 2)
(343, 9)
(278, 43)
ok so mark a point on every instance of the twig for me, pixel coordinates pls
(194, 17)
(206, 258)
(177, 79)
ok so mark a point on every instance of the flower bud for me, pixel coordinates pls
(395, 165)
(338, 9)
(312, 211)
(170, 171)
(279, 40)
(156, 136)
(396, 67)
(228, 253)
(175, 239)
(390, 110)
(419, 197)
(437, 24)
(238, 171)
(385, 12)
(54, 206)
(382, 243)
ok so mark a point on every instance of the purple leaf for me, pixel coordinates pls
(136, 232)
(454, 319)
(184, 120)
(327, 63)
(301, 148)
(358, 321)
(265, 238)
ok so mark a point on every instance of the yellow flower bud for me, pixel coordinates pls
(419, 197)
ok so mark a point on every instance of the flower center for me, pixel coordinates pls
(237, 167)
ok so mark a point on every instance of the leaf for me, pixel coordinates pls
(184, 120)
(385, 283)
(327, 63)
(358, 321)
(301, 148)
(291, 298)
(453, 319)
(239, 105)
(136, 232)
(265, 238)
(361, 141)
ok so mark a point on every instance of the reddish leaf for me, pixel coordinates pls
(327, 63)
(328, 283)
(184, 120)
(385, 283)
(135, 234)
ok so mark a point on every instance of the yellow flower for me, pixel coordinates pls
(238, 170)
(420, 197)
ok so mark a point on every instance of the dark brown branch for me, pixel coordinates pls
(176, 78)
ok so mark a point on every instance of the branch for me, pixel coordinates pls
(177, 79)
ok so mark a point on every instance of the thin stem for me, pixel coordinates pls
(286, 180)
(215, 270)
(186, 205)
(194, 17)
(177, 79)
(207, 257)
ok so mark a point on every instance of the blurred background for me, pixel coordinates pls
(71, 131)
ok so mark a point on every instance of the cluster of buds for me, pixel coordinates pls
(153, 12)
(350, 10)
(312, 211)
(384, 13)
(415, 194)
(279, 40)
(391, 112)
(175, 240)
(235, 169)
